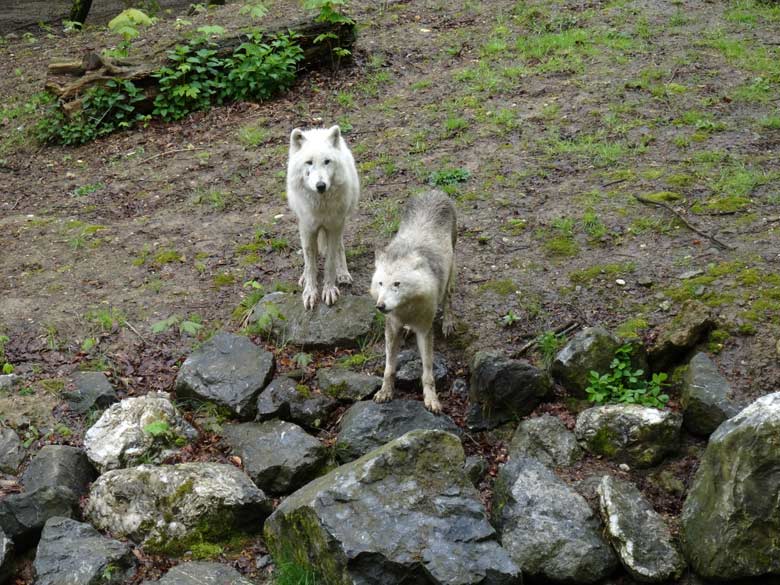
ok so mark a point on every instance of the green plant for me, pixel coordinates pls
(549, 344)
(449, 176)
(189, 326)
(288, 572)
(6, 366)
(623, 384)
(254, 8)
(510, 318)
(302, 359)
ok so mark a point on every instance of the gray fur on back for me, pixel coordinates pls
(430, 210)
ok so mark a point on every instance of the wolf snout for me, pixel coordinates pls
(321, 187)
(382, 307)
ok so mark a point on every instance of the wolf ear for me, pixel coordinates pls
(296, 140)
(379, 255)
(334, 133)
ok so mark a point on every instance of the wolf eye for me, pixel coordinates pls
(397, 283)
(327, 161)
(309, 162)
(380, 283)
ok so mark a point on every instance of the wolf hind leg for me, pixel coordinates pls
(425, 347)
(447, 322)
(342, 272)
(392, 345)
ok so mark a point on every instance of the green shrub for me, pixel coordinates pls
(258, 70)
(625, 385)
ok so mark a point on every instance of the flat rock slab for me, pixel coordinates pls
(284, 398)
(279, 456)
(629, 433)
(368, 425)
(73, 553)
(35, 410)
(409, 369)
(638, 533)
(229, 370)
(169, 507)
(342, 324)
(137, 429)
(546, 439)
(404, 513)
(593, 348)
(11, 450)
(346, 385)
(731, 518)
(59, 465)
(23, 515)
(201, 573)
(548, 529)
(706, 397)
(503, 389)
(677, 338)
(86, 390)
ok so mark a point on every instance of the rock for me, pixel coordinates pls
(548, 529)
(679, 336)
(6, 547)
(229, 370)
(409, 369)
(137, 429)
(87, 390)
(201, 573)
(705, 397)
(343, 384)
(169, 508)
(475, 468)
(342, 324)
(72, 553)
(59, 465)
(404, 513)
(593, 348)
(279, 456)
(503, 389)
(546, 439)
(459, 387)
(11, 451)
(638, 533)
(629, 433)
(23, 515)
(287, 400)
(368, 425)
(8, 381)
(35, 410)
(731, 518)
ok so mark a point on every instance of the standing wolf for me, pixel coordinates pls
(323, 190)
(414, 276)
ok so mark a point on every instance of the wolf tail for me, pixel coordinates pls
(322, 242)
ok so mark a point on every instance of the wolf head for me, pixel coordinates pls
(316, 156)
(399, 281)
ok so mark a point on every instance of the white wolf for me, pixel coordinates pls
(414, 276)
(323, 190)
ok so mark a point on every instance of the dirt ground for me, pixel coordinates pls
(543, 120)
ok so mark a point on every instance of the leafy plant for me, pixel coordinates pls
(549, 344)
(449, 176)
(189, 326)
(6, 366)
(330, 11)
(302, 359)
(510, 318)
(258, 70)
(623, 384)
(254, 8)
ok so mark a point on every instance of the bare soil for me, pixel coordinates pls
(561, 114)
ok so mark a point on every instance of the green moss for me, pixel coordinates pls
(630, 328)
(206, 550)
(586, 275)
(500, 287)
(604, 442)
(337, 390)
(663, 196)
(223, 279)
(716, 340)
(167, 256)
(303, 390)
(722, 204)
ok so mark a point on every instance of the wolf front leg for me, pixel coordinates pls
(342, 272)
(425, 347)
(392, 345)
(447, 323)
(330, 292)
(309, 278)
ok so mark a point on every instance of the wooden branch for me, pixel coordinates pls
(685, 222)
(564, 329)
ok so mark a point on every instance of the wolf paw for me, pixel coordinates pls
(309, 297)
(330, 294)
(384, 395)
(302, 279)
(447, 325)
(344, 278)
(432, 402)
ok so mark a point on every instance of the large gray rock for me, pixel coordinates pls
(546, 439)
(677, 338)
(229, 370)
(706, 397)
(72, 553)
(11, 450)
(503, 389)
(143, 428)
(168, 508)
(61, 465)
(629, 433)
(8, 381)
(342, 324)
(286, 399)
(638, 533)
(201, 573)
(279, 456)
(404, 513)
(368, 425)
(87, 390)
(6, 548)
(409, 369)
(346, 385)
(547, 527)
(731, 517)
(593, 348)
(23, 515)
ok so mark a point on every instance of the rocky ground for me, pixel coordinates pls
(547, 124)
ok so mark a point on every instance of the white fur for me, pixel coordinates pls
(320, 158)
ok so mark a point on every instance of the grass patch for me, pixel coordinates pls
(586, 275)
(499, 287)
